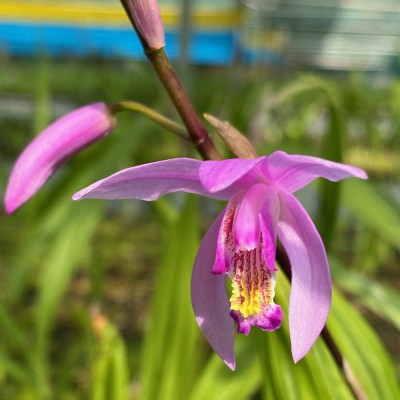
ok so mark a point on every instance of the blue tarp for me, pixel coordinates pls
(206, 47)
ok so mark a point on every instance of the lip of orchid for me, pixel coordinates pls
(241, 244)
(51, 148)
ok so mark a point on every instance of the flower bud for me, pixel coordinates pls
(147, 18)
(55, 145)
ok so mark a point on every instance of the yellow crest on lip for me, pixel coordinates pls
(252, 284)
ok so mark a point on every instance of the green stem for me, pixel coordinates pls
(155, 116)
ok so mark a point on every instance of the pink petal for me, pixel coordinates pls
(146, 15)
(269, 216)
(65, 137)
(292, 172)
(311, 288)
(219, 175)
(246, 226)
(210, 300)
(225, 244)
(269, 320)
(150, 181)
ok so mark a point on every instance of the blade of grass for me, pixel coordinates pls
(218, 382)
(315, 377)
(109, 365)
(365, 201)
(363, 350)
(169, 358)
(382, 300)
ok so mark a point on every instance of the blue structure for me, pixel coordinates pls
(102, 29)
(323, 34)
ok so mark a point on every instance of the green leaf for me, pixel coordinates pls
(363, 350)
(13, 369)
(328, 95)
(218, 382)
(365, 201)
(316, 376)
(11, 330)
(333, 150)
(169, 358)
(65, 231)
(380, 299)
(109, 365)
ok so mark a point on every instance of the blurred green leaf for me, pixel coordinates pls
(42, 94)
(328, 96)
(218, 382)
(68, 248)
(380, 299)
(169, 355)
(363, 350)
(109, 365)
(13, 369)
(365, 201)
(11, 330)
(332, 150)
(316, 376)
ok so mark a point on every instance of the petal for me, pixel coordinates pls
(62, 139)
(292, 172)
(150, 181)
(311, 287)
(210, 300)
(269, 216)
(268, 320)
(219, 175)
(225, 244)
(246, 226)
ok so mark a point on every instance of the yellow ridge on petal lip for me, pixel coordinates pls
(252, 285)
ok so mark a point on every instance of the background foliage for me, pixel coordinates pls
(95, 299)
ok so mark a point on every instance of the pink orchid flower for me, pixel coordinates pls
(241, 243)
(51, 148)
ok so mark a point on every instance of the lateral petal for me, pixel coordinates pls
(311, 287)
(210, 300)
(151, 181)
(219, 175)
(269, 216)
(293, 172)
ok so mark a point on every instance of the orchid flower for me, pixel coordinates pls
(51, 148)
(241, 243)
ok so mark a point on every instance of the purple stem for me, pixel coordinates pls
(166, 73)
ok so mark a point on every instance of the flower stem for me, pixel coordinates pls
(198, 133)
(155, 116)
(166, 73)
(344, 368)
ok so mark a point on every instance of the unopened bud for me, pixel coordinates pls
(147, 18)
(55, 145)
